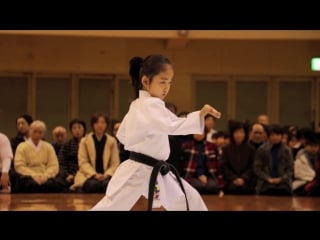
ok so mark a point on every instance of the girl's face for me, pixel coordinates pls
(160, 84)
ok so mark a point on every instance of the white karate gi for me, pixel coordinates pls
(145, 130)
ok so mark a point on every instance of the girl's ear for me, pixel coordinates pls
(145, 81)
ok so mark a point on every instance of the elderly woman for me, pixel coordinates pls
(36, 163)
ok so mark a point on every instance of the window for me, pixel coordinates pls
(295, 102)
(126, 95)
(95, 95)
(52, 102)
(13, 102)
(215, 94)
(251, 99)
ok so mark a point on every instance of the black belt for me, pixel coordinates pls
(158, 166)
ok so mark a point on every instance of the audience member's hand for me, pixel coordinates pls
(203, 179)
(40, 179)
(37, 179)
(277, 180)
(4, 181)
(70, 178)
(274, 180)
(238, 182)
(99, 177)
(44, 179)
(107, 177)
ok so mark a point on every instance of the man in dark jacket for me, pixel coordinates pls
(273, 165)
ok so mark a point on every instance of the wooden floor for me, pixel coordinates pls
(83, 202)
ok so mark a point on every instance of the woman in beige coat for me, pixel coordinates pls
(98, 157)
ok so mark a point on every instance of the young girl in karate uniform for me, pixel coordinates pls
(144, 131)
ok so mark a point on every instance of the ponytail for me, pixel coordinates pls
(134, 71)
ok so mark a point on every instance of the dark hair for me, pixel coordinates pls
(312, 141)
(78, 121)
(218, 134)
(275, 128)
(291, 137)
(96, 116)
(26, 117)
(312, 138)
(151, 66)
(236, 125)
(113, 122)
(304, 133)
(226, 135)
